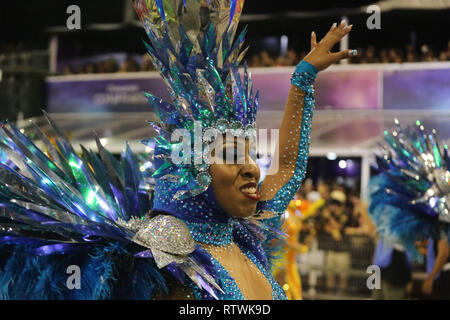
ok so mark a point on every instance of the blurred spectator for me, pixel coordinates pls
(411, 57)
(80, 70)
(255, 61)
(443, 56)
(411, 54)
(147, 64)
(369, 56)
(130, 65)
(324, 189)
(281, 61)
(89, 68)
(427, 54)
(359, 221)
(384, 56)
(394, 56)
(335, 218)
(335, 215)
(101, 67)
(67, 70)
(266, 59)
(111, 65)
(447, 52)
(292, 57)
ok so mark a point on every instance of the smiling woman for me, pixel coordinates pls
(225, 212)
(211, 231)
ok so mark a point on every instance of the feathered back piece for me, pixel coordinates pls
(60, 190)
(192, 45)
(410, 197)
(58, 203)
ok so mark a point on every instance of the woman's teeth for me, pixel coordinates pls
(249, 190)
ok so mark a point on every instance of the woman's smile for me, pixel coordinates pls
(250, 191)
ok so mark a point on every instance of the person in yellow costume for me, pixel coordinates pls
(287, 274)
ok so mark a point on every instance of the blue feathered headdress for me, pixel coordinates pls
(192, 45)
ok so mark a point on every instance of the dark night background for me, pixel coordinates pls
(26, 21)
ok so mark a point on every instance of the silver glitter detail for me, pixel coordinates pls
(134, 224)
(168, 238)
(163, 259)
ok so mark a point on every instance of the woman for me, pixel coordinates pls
(211, 224)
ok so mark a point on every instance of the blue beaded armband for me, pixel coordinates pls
(307, 67)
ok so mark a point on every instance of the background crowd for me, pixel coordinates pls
(136, 63)
(341, 213)
(366, 55)
(338, 234)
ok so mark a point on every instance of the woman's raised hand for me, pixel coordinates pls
(320, 55)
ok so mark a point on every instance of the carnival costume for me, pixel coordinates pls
(410, 195)
(59, 209)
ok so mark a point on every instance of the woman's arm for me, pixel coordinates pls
(279, 188)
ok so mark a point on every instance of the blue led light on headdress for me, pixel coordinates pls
(193, 48)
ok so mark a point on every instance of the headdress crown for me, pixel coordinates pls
(193, 47)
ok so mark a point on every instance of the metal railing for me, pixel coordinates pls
(338, 269)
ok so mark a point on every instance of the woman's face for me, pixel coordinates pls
(235, 185)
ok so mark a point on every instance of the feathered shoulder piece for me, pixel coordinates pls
(87, 210)
(410, 195)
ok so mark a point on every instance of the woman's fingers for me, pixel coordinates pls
(344, 54)
(321, 55)
(347, 30)
(333, 26)
(335, 34)
(329, 33)
(313, 40)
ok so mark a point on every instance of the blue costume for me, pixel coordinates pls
(58, 208)
(410, 194)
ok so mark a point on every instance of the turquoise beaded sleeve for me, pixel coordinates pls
(297, 127)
